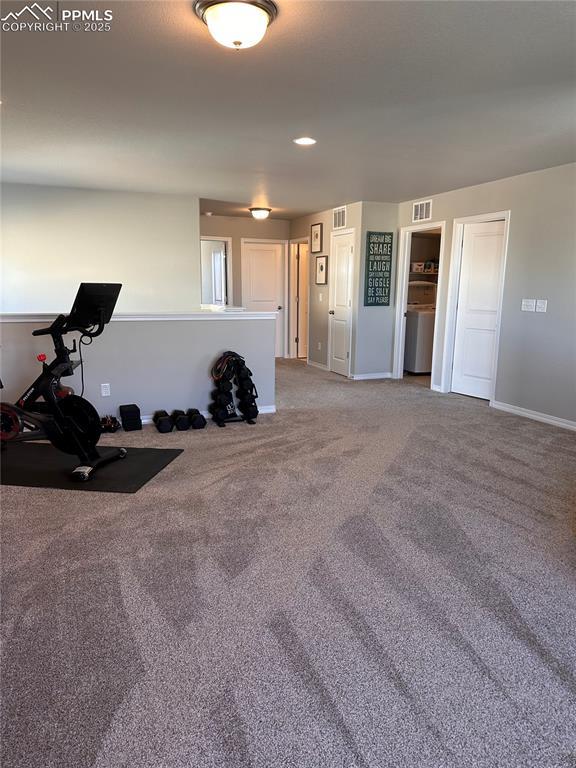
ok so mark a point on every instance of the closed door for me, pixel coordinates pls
(341, 302)
(477, 315)
(263, 283)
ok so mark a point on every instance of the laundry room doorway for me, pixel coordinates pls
(419, 271)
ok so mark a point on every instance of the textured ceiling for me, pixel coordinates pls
(406, 99)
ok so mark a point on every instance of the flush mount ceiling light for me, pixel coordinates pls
(236, 23)
(260, 213)
(304, 141)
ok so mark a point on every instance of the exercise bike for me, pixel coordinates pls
(49, 410)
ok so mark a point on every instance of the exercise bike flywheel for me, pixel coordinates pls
(86, 424)
(10, 424)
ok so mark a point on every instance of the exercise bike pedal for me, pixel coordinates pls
(82, 474)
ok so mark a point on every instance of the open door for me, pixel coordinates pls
(479, 291)
(340, 326)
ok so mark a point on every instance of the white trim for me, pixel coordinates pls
(262, 409)
(351, 263)
(285, 244)
(367, 376)
(535, 415)
(229, 283)
(453, 289)
(314, 364)
(176, 317)
(402, 277)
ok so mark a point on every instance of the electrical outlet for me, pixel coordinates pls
(319, 346)
(528, 305)
(105, 390)
(541, 305)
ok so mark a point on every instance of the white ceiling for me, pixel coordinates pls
(405, 98)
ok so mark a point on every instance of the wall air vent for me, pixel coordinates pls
(339, 218)
(422, 211)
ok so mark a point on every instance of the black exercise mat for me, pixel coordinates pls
(38, 465)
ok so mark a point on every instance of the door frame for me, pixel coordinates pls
(453, 289)
(285, 253)
(292, 348)
(229, 285)
(402, 278)
(333, 235)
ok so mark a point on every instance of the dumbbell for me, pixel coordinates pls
(243, 372)
(224, 385)
(249, 412)
(180, 420)
(163, 421)
(195, 418)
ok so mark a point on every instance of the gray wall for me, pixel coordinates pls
(154, 363)
(372, 327)
(53, 238)
(319, 297)
(373, 336)
(537, 354)
(238, 227)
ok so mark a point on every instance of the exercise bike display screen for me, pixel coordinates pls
(94, 304)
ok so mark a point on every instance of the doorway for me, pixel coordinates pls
(417, 339)
(215, 271)
(264, 283)
(340, 313)
(299, 299)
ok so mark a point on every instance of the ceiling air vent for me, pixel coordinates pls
(422, 211)
(339, 218)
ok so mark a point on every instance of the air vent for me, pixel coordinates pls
(422, 211)
(339, 218)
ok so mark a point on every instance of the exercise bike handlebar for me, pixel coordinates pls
(59, 327)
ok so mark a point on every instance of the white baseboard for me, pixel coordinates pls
(437, 388)
(546, 418)
(367, 376)
(317, 365)
(261, 409)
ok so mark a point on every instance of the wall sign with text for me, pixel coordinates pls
(378, 269)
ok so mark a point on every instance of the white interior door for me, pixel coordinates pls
(477, 314)
(263, 283)
(341, 302)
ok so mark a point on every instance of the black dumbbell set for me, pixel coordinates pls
(230, 369)
(179, 420)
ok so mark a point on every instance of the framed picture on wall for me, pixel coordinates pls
(321, 270)
(316, 238)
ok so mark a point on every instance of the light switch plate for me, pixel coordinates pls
(320, 297)
(541, 305)
(528, 305)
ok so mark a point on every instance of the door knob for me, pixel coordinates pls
(331, 312)
(279, 308)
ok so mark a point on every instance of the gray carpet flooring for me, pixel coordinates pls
(375, 576)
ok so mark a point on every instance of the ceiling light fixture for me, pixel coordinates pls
(304, 141)
(260, 213)
(236, 23)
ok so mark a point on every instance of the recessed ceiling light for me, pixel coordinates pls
(260, 213)
(208, 213)
(304, 141)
